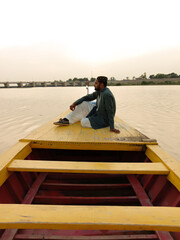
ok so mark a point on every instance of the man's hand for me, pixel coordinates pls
(72, 107)
(114, 130)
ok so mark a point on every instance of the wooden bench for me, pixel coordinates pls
(89, 217)
(87, 167)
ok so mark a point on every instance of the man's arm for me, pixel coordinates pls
(89, 97)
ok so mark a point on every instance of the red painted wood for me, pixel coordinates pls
(22, 176)
(34, 189)
(148, 181)
(160, 190)
(10, 233)
(164, 235)
(151, 182)
(69, 186)
(168, 197)
(176, 202)
(132, 156)
(176, 235)
(86, 176)
(145, 201)
(15, 188)
(108, 237)
(87, 155)
(140, 193)
(84, 200)
(35, 174)
(57, 185)
(15, 195)
(5, 195)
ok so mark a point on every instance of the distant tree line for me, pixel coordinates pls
(169, 79)
(160, 83)
(70, 80)
(85, 79)
(143, 76)
(161, 75)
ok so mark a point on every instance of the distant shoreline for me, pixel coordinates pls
(136, 82)
(144, 82)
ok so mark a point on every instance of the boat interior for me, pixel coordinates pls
(77, 170)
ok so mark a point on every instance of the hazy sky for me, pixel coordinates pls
(61, 39)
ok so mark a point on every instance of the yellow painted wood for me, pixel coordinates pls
(87, 167)
(83, 138)
(156, 154)
(21, 216)
(19, 150)
(44, 129)
(121, 146)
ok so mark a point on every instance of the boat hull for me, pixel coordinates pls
(74, 183)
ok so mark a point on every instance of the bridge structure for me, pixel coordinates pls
(26, 84)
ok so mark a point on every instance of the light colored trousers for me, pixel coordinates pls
(79, 114)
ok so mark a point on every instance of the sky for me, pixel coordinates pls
(47, 40)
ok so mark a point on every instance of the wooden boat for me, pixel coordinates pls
(77, 183)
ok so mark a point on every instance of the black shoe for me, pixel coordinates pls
(62, 122)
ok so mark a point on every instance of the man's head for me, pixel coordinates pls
(100, 83)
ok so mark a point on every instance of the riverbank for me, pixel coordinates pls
(56, 83)
(140, 81)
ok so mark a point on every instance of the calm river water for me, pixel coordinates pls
(153, 110)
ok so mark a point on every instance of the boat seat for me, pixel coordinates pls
(87, 167)
(23, 216)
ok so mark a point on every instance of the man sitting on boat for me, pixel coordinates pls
(93, 116)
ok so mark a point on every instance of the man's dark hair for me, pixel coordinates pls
(102, 79)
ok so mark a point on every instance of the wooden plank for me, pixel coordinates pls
(115, 146)
(10, 233)
(87, 167)
(140, 192)
(71, 200)
(126, 236)
(89, 217)
(75, 133)
(81, 186)
(45, 128)
(145, 201)
(156, 154)
(19, 150)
